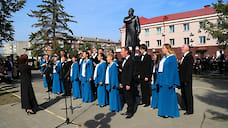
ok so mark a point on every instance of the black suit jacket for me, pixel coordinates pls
(65, 70)
(126, 76)
(145, 67)
(185, 68)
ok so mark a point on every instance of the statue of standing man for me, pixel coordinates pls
(132, 30)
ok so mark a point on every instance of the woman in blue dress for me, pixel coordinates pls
(168, 80)
(74, 77)
(99, 80)
(43, 65)
(86, 76)
(155, 88)
(56, 82)
(112, 82)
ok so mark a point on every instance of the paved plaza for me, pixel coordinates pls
(210, 110)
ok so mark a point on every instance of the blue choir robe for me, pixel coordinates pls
(56, 81)
(99, 77)
(87, 94)
(75, 80)
(154, 99)
(42, 70)
(112, 81)
(60, 77)
(167, 80)
(116, 61)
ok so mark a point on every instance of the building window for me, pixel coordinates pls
(186, 41)
(148, 43)
(171, 28)
(202, 24)
(159, 30)
(172, 42)
(202, 39)
(147, 31)
(186, 27)
(159, 42)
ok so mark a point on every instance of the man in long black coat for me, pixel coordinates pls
(65, 74)
(145, 72)
(126, 81)
(185, 70)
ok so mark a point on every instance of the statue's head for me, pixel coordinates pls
(131, 12)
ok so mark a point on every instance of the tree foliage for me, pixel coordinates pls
(51, 20)
(7, 7)
(86, 46)
(219, 30)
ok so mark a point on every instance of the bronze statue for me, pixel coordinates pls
(132, 30)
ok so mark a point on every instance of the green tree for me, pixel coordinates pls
(37, 49)
(7, 7)
(86, 46)
(51, 20)
(219, 30)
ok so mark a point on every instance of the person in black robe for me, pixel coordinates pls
(65, 74)
(28, 99)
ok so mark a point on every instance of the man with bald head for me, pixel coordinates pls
(185, 70)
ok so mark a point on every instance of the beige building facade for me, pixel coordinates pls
(16, 47)
(179, 29)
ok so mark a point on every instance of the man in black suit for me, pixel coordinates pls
(126, 81)
(185, 70)
(65, 74)
(145, 72)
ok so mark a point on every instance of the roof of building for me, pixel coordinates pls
(207, 10)
(87, 39)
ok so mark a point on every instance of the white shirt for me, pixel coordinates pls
(107, 75)
(84, 68)
(95, 71)
(183, 57)
(71, 69)
(80, 61)
(161, 64)
(125, 60)
(152, 79)
(143, 56)
(54, 70)
(94, 55)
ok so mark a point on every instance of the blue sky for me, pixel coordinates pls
(103, 18)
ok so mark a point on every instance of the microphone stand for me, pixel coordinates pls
(67, 121)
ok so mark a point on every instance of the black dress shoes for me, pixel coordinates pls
(187, 113)
(129, 116)
(125, 113)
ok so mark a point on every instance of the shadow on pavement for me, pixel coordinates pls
(215, 99)
(50, 102)
(217, 116)
(100, 120)
(218, 84)
(4, 93)
(8, 87)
